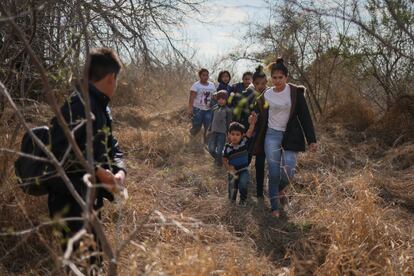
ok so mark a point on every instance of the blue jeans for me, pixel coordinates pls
(216, 145)
(200, 118)
(239, 183)
(281, 163)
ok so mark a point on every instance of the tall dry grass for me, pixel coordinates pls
(339, 220)
(350, 208)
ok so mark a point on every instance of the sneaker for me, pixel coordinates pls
(243, 203)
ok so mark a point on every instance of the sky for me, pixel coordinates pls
(219, 29)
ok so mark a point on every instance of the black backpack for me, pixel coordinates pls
(33, 176)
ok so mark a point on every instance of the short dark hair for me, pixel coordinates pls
(203, 70)
(279, 65)
(220, 75)
(248, 73)
(235, 126)
(102, 62)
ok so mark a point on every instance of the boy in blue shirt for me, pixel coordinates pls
(236, 159)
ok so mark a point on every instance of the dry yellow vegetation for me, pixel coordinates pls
(350, 211)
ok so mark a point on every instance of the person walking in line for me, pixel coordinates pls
(258, 105)
(236, 160)
(289, 123)
(224, 79)
(220, 123)
(199, 104)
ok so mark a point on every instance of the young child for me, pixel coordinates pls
(236, 159)
(220, 122)
(224, 79)
(199, 104)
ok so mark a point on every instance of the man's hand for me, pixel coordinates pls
(105, 176)
(108, 178)
(313, 147)
(190, 112)
(120, 178)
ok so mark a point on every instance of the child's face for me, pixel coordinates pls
(260, 84)
(247, 80)
(235, 137)
(225, 78)
(204, 77)
(221, 101)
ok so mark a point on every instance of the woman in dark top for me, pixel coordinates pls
(288, 123)
(254, 96)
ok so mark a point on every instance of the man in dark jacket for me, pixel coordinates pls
(104, 68)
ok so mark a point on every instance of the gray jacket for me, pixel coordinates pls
(221, 119)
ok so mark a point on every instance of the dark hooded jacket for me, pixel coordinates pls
(106, 151)
(299, 126)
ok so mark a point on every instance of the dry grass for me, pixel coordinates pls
(352, 112)
(349, 210)
(31, 254)
(396, 125)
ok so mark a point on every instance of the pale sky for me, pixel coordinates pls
(225, 24)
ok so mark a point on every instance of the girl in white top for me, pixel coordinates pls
(284, 136)
(199, 104)
(203, 92)
(279, 107)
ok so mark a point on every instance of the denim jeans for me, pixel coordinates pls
(216, 145)
(239, 183)
(200, 118)
(281, 163)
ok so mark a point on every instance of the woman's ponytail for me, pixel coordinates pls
(279, 65)
(259, 73)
